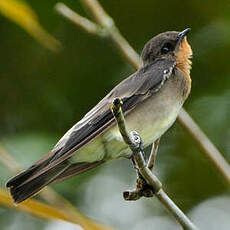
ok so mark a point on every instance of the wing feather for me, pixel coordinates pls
(132, 91)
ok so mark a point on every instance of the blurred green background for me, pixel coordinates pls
(43, 93)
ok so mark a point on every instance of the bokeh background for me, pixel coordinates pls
(43, 93)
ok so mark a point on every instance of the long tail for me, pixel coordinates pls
(31, 181)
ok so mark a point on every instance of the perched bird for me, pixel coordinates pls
(152, 98)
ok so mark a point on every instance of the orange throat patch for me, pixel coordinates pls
(183, 57)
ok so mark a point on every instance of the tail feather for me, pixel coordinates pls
(76, 169)
(21, 190)
(32, 180)
(28, 173)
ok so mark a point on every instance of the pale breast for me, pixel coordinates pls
(150, 119)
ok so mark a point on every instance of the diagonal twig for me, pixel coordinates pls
(133, 140)
(129, 54)
(89, 26)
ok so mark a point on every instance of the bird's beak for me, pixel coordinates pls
(182, 34)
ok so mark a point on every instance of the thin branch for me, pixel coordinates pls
(89, 26)
(133, 140)
(116, 109)
(8, 161)
(206, 145)
(141, 187)
(107, 23)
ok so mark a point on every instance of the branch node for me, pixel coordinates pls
(132, 195)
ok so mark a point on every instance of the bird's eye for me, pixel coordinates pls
(166, 48)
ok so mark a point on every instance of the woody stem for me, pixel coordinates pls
(134, 142)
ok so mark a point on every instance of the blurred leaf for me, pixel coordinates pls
(24, 16)
(46, 211)
(35, 208)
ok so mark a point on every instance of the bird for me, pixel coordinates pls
(152, 98)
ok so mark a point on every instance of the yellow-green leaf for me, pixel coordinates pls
(46, 211)
(24, 16)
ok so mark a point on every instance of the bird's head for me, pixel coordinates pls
(170, 44)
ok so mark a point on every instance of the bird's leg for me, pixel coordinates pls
(153, 154)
